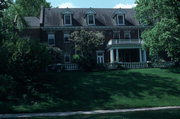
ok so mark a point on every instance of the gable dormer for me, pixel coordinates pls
(90, 17)
(67, 17)
(119, 17)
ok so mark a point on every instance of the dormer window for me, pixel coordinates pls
(119, 17)
(67, 17)
(90, 17)
(91, 20)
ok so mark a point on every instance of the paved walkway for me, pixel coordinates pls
(51, 114)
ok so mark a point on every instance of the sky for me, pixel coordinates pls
(93, 3)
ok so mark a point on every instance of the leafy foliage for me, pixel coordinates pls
(7, 85)
(31, 7)
(56, 54)
(150, 12)
(21, 59)
(28, 56)
(4, 4)
(164, 36)
(86, 43)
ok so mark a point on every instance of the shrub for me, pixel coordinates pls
(24, 60)
(7, 87)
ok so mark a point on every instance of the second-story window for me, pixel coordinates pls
(67, 19)
(127, 35)
(66, 37)
(116, 35)
(91, 20)
(51, 39)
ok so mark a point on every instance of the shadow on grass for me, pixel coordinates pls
(174, 70)
(73, 91)
(87, 91)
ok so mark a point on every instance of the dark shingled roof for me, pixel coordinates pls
(104, 16)
(32, 21)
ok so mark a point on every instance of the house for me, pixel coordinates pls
(121, 29)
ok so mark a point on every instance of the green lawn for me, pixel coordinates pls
(72, 91)
(162, 114)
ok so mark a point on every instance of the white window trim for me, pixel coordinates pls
(68, 34)
(67, 55)
(65, 19)
(100, 51)
(129, 32)
(117, 32)
(93, 19)
(117, 20)
(51, 36)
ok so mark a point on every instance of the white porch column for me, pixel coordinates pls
(140, 55)
(111, 55)
(145, 56)
(117, 55)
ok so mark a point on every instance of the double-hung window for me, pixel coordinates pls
(67, 19)
(91, 19)
(51, 39)
(66, 37)
(120, 19)
(116, 35)
(127, 35)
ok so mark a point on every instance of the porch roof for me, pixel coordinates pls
(124, 46)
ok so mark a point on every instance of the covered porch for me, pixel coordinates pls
(127, 55)
(126, 50)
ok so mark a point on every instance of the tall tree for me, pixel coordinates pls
(15, 14)
(20, 58)
(31, 7)
(86, 43)
(152, 11)
(164, 17)
(4, 5)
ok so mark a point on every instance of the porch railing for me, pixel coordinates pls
(124, 41)
(128, 65)
(134, 65)
(70, 67)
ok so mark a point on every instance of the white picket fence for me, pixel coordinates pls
(134, 65)
(70, 67)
